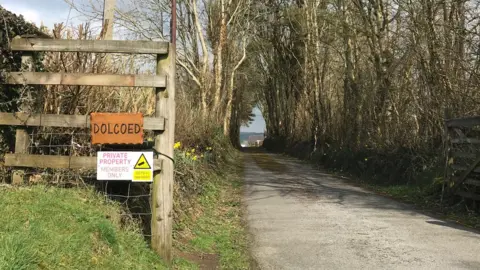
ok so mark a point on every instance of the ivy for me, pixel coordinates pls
(12, 25)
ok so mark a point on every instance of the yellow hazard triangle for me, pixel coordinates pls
(142, 163)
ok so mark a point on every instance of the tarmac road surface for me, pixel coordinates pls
(302, 218)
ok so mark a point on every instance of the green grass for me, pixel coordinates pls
(407, 193)
(219, 229)
(180, 263)
(53, 228)
(423, 198)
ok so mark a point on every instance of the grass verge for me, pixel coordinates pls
(425, 197)
(54, 228)
(216, 236)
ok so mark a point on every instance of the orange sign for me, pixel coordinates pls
(116, 128)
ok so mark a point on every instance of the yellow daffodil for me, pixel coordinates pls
(193, 150)
(188, 154)
(194, 158)
(201, 155)
(177, 145)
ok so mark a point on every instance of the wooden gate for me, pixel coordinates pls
(162, 123)
(463, 157)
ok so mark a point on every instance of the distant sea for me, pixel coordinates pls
(244, 135)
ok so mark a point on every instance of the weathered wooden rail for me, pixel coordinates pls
(162, 123)
(72, 121)
(90, 46)
(463, 157)
(43, 78)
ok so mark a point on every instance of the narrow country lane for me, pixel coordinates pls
(301, 218)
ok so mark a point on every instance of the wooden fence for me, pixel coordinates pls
(463, 158)
(162, 123)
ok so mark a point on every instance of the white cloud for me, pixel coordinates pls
(30, 15)
(55, 11)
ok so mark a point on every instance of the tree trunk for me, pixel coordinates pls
(219, 59)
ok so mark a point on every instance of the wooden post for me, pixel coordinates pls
(162, 193)
(22, 139)
(107, 27)
(446, 147)
(108, 14)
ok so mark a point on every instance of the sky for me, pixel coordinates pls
(48, 11)
(258, 124)
(56, 11)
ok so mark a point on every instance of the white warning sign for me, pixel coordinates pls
(125, 166)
